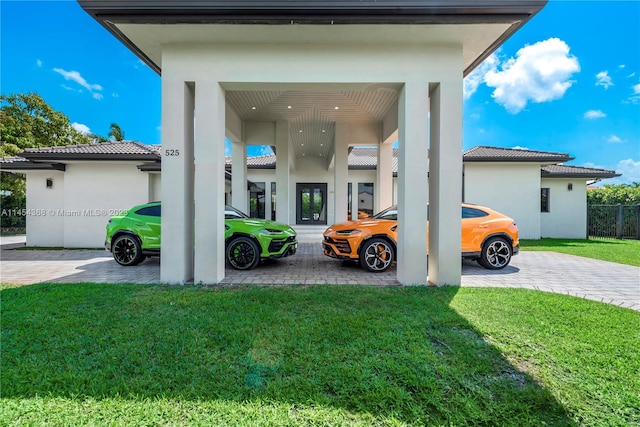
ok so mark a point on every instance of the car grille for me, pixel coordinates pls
(341, 245)
(276, 245)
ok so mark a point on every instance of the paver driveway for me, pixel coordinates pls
(547, 271)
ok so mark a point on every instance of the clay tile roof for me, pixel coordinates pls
(119, 150)
(266, 161)
(564, 171)
(495, 154)
(363, 157)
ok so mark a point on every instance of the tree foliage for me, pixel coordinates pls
(27, 121)
(623, 194)
(12, 199)
(115, 133)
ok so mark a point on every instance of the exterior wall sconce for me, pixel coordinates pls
(570, 187)
(49, 183)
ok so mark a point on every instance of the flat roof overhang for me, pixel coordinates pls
(22, 166)
(144, 26)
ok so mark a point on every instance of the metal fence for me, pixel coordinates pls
(614, 221)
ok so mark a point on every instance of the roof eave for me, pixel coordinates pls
(285, 10)
(111, 12)
(88, 156)
(29, 166)
(150, 167)
(580, 175)
(537, 160)
(272, 166)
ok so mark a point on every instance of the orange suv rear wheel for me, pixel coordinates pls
(496, 254)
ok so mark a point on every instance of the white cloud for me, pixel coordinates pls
(38, 63)
(594, 114)
(517, 147)
(265, 151)
(604, 79)
(473, 80)
(84, 129)
(614, 139)
(635, 97)
(75, 76)
(539, 73)
(621, 66)
(630, 170)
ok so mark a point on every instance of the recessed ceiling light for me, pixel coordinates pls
(253, 108)
(303, 154)
(320, 154)
(289, 106)
(323, 131)
(300, 131)
(321, 144)
(302, 145)
(336, 108)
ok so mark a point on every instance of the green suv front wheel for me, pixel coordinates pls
(243, 253)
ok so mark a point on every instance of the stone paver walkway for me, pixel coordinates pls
(547, 271)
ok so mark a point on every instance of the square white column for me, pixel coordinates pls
(445, 184)
(412, 183)
(239, 192)
(176, 258)
(384, 189)
(282, 172)
(209, 263)
(341, 172)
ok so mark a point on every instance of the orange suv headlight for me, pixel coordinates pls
(347, 232)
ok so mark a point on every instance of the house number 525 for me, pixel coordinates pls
(169, 152)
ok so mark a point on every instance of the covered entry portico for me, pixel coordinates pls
(324, 74)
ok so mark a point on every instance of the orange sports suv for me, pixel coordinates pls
(488, 237)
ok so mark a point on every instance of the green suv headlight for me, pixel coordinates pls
(271, 231)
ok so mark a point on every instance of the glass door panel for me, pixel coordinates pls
(311, 203)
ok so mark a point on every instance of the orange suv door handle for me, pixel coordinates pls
(483, 226)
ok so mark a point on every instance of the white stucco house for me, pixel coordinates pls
(311, 78)
(72, 191)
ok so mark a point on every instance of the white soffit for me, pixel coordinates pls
(476, 39)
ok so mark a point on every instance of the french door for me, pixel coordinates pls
(311, 204)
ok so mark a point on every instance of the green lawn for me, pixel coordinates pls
(125, 355)
(620, 251)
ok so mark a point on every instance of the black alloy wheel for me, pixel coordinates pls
(127, 250)
(243, 253)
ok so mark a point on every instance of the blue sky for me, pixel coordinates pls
(569, 81)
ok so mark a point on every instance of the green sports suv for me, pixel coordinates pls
(135, 235)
